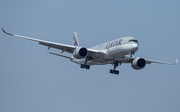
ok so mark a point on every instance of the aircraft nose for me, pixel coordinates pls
(134, 47)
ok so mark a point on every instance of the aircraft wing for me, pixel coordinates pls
(63, 47)
(127, 58)
(160, 62)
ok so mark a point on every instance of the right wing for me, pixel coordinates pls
(68, 48)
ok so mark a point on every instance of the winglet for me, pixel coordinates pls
(6, 32)
(176, 62)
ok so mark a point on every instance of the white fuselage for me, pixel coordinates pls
(115, 49)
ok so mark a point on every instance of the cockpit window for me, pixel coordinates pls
(133, 40)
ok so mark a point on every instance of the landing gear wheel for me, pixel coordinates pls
(114, 72)
(111, 71)
(85, 66)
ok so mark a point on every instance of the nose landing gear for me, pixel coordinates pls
(131, 54)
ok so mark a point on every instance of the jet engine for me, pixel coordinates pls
(138, 63)
(80, 53)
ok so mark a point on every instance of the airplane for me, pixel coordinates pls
(114, 52)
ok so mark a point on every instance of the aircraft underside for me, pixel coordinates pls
(115, 60)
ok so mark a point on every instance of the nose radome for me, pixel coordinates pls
(134, 47)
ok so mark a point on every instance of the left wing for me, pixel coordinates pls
(126, 59)
(160, 62)
(68, 48)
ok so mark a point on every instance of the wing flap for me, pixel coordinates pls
(63, 47)
(59, 55)
(95, 53)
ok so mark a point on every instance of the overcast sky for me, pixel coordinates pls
(32, 80)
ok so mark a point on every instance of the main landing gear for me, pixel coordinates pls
(84, 65)
(114, 71)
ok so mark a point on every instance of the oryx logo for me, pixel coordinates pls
(75, 41)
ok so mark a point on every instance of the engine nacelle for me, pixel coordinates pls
(138, 63)
(80, 53)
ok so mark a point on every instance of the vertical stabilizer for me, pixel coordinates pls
(75, 39)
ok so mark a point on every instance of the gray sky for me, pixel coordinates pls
(33, 81)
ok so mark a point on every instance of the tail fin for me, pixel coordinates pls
(75, 39)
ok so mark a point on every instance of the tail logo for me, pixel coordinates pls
(75, 41)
